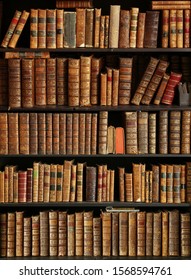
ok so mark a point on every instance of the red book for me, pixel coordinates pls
(22, 186)
(169, 93)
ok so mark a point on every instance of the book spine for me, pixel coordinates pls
(102, 137)
(59, 28)
(186, 28)
(125, 80)
(97, 20)
(80, 27)
(175, 132)
(180, 30)
(53, 233)
(131, 136)
(114, 26)
(42, 28)
(14, 82)
(123, 227)
(24, 133)
(34, 28)
(69, 29)
(62, 81)
(51, 28)
(140, 29)
(27, 236)
(96, 236)
(165, 28)
(124, 28)
(51, 81)
(102, 32)
(185, 132)
(44, 233)
(27, 83)
(3, 82)
(3, 133)
(134, 13)
(73, 82)
(62, 233)
(89, 32)
(79, 234)
(40, 81)
(85, 79)
(106, 233)
(88, 233)
(13, 132)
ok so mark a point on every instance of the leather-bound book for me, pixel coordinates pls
(96, 236)
(75, 134)
(174, 233)
(121, 172)
(42, 133)
(82, 122)
(44, 233)
(106, 40)
(141, 231)
(132, 234)
(89, 32)
(35, 236)
(134, 13)
(116, 234)
(106, 95)
(141, 29)
(13, 133)
(154, 82)
(180, 30)
(73, 81)
(151, 29)
(42, 33)
(11, 170)
(35, 181)
(173, 28)
(74, 4)
(143, 189)
(3, 133)
(88, 233)
(73, 182)
(18, 30)
(188, 181)
(114, 26)
(186, 28)
(40, 81)
(102, 32)
(3, 82)
(80, 27)
(2, 182)
(163, 183)
(124, 28)
(53, 182)
(175, 132)
(67, 180)
(106, 233)
(11, 28)
(102, 132)
(34, 28)
(94, 133)
(55, 133)
(163, 132)
(97, 20)
(146, 78)
(3, 234)
(123, 231)
(51, 28)
(27, 236)
(131, 136)
(176, 183)
(51, 81)
(157, 233)
(59, 182)
(62, 133)
(104, 183)
(115, 87)
(169, 183)
(91, 183)
(11, 233)
(152, 132)
(41, 183)
(69, 133)
(22, 186)
(103, 89)
(161, 89)
(125, 79)
(33, 133)
(96, 66)
(27, 83)
(185, 234)
(165, 28)
(69, 29)
(6, 183)
(62, 233)
(185, 131)
(49, 133)
(164, 236)
(79, 233)
(70, 234)
(142, 120)
(170, 89)
(128, 187)
(53, 233)
(24, 133)
(85, 79)
(149, 234)
(14, 81)
(99, 182)
(111, 139)
(183, 183)
(46, 190)
(59, 28)
(137, 187)
(19, 215)
(15, 186)
(62, 80)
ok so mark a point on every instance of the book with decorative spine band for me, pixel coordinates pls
(42, 28)
(51, 28)
(34, 28)
(131, 136)
(134, 12)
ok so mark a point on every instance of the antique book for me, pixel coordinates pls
(62, 233)
(131, 133)
(33, 133)
(13, 133)
(79, 233)
(61, 81)
(152, 133)
(46, 190)
(59, 182)
(88, 233)
(62, 133)
(115, 234)
(185, 234)
(180, 30)
(132, 234)
(188, 181)
(157, 233)
(27, 236)
(169, 183)
(75, 134)
(89, 32)
(141, 230)
(19, 28)
(53, 233)
(99, 183)
(106, 233)
(19, 215)
(2, 182)
(53, 182)
(186, 28)
(73, 81)
(91, 183)
(85, 79)
(104, 183)
(51, 28)
(174, 231)
(160, 5)
(137, 187)
(121, 172)
(69, 133)
(142, 131)
(3, 234)
(141, 29)
(41, 133)
(107, 88)
(27, 83)
(55, 133)
(149, 234)
(173, 28)
(134, 12)
(114, 26)
(164, 234)
(151, 27)
(123, 231)
(125, 79)
(97, 20)
(11, 28)
(163, 132)
(106, 39)
(35, 181)
(15, 182)
(103, 89)
(96, 66)
(124, 28)
(11, 232)
(40, 81)
(175, 132)
(115, 87)
(82, 122)
(102, 132)
(165, 28)
(161, 89)
(74, 4)
(185, 131)
(66, 180)
(22, 186)
(24, 133)
(70, 234)
(3, 133)
(80, 181)
(42, 32)
(44, 233)
(59, 28)
(97, 236)
(80, 27)
(41, 183)
(94, 133)
(128, 187)
(14, 82)
(119, 140)
(3, 82)
(69, 29)
(183, 183)
(176, 183)
(163, 183)
(146, 78)
(51, 81)
(111, 139)
(102, 32)
(33, 28)
(35, 236)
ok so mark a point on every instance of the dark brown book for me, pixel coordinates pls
(33, 133)
(51, 81)
(59, 28)
(185, 234)
(88, 130)
(142, 122)
(91, 183)
(115, 234)
(3, 234)
(51, 28)
(40, 81)
(74, 4)
(89, 32)
(62, 133)
(11, 233)
(97, 21)
(3, 133)
(42, 133)
(61, 81)
(49, 133)
(141, 29)
(169, 183)
(97, 236)
(151, 27)
(141, 230)
(22, 186)
(96, 66)
(3, 82)
(55, 133)
(14, 81)
(53, 182)
(29, 184)
(131, 136)
(44, 233)
(123, 233)
(149, 234)
(161, 89)
(124, 28)
(174, 231)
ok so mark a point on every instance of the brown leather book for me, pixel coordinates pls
(180, 28)
(143, 141)
(165, 28)
(163, 183)
(51, 28)
(2, 182)
(33, 28)
(29, 184)
(141, 29)
(88, 233)
(109, 181)
(173, 28)
(62, 81)
(176, 183)
(80, 27)
(104, 183)
(51, 81)
(124, 28)
(82, 122)
(40, 82)
(111, 139)
(13, 133)
(91, 183)
(85, 79)
(74, 4)
(164, 237)
(69, 133)
(69, 29)
(163, 132)
(59, 28)
(14, 81)
(79, 233)
(175, 132)
(152, 133)
(96, 66)
(42, 33)
(97, 21)
(149, 234)
(161, 89)
(106, 95)
(96, 236)
(157, 233)
(106, 40)
(170, 89)
(89, 32)
(132, 234)
(11, 232)
(121, 172)
(67, 180)
(115, 234)
(33, 133)
(59, 182)
(174, 233)
(102, 32)
(80, 181)
(103, 89)
(99, 182)
(53, 182)
(62, 233)
(3, 234)
(141, 230)
(15, 182)
(53, 233)
(73, 81)
(35, 181)
(185, 234)
(19, 215)
(75, 134)
(35, 235)
(123, 231)
(185, 131)
(6, 183)
(169, 183)
(188, 181)
(22, 186)
(131, 136)
(134, 12)
(55, 133)
(114, 26)
(3, 133)
(106, 233)
(27, 83)
(41, 183)
(115, 87)
(44, 233)
(27, 236)
(151, 29)
(3, 82)
(183, 183)
(128, 187)
(70, 234)
(62, 133)
(46, 190)
(94, 133)
(42, 133)
(102, 132)
(125, 79)
(24, 133)
(137, 187)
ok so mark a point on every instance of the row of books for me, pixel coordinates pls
(77, 181)
(58, 233)
(91, 133)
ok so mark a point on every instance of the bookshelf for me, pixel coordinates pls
(66, 199)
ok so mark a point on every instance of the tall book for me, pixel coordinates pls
(157, 233)
(175, 132)
(14, 82)
(96, 236)
(70, 234)
(40, 81)
(97, 21)
(185, 131)
(123, 231)
(132, 234)
(180, 28)
(185, 234)
(141, 231)
(85, 80)
(53, 233)
(3, 133)
(137, 187)
(164, 234)
(3, 82)
(44, 233)
(124, 28)
(33, 28)
(125, 79)
(51, 81)
(51, 28)
(149, 234)
(161, 89)
(151, 27)
(141, 29)
(91, 183)
(114, 26)
(89, 32)
(80, 27)
(11, 234)
(27, 83)
(73, 81)
(88, 233)
(163, 132)
(186, 32)
(24, 133)
(173, 28)
(13, 132)
(27, 236)
(131, 136)
(106, 233)
(42, 32)
(163, 183)
(69, 29)
(62, 233)
(61, 81)
(102, 137)
(165, 28)
(174, 231)
(59, 28)
(142, 122)
(79, 233)
(134, 12)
